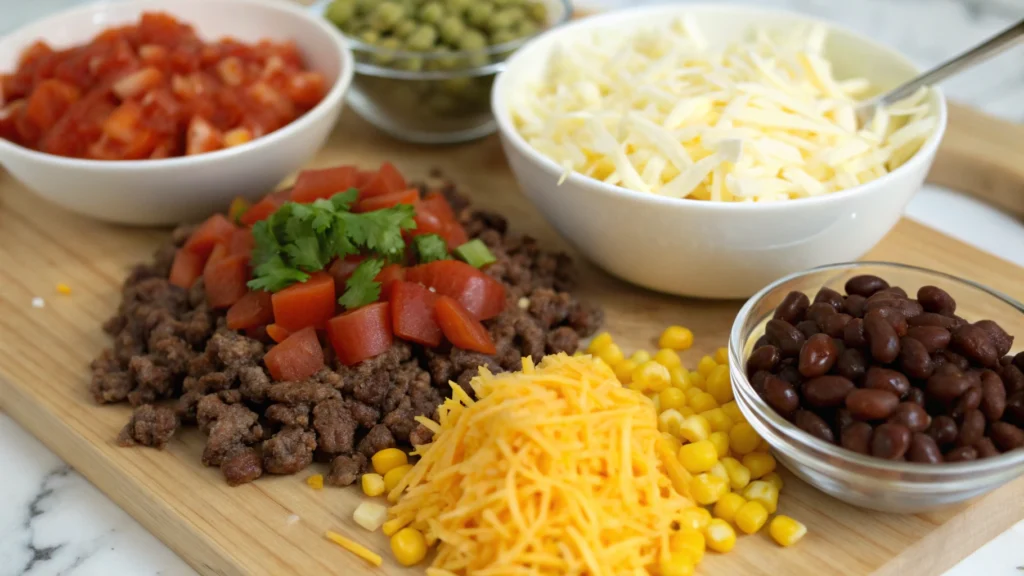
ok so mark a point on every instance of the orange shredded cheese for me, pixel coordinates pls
(316, 481)
(355, 548)
(553, 470)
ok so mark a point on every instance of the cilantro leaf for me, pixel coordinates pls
(380, 230)
(274, 275)
(361, 288)
(430, 247)
(343, 201)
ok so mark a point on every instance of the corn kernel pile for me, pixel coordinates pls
(733, 472)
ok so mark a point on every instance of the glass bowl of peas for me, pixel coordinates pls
(424, 68)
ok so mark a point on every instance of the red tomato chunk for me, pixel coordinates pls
(412, 314)
(252, 310)
(153, 90)
(310, 303)
(460, 328)
(362, 333)
(482, 296)
(298, 357)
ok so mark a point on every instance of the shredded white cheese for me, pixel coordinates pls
(660, 110)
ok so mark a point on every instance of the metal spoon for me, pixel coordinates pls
(998, 43)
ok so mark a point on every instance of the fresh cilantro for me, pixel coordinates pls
(298, 239)
(430, 247)
(362, 288)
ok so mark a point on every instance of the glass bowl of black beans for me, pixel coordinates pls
(887, 386)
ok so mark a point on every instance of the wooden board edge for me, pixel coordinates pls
(157, 517)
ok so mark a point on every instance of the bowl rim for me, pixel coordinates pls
(502, 88)
(949, 471)
(302, 123)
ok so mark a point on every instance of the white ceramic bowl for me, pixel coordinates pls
(147, 192)
(706, 249)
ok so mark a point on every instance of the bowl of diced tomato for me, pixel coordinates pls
(159, 111)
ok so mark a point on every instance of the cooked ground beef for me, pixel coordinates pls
(169, 347)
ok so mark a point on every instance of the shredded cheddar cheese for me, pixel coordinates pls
(662, 110)
(355, 548)
(556, 469)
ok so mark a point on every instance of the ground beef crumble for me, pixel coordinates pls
(176, 362)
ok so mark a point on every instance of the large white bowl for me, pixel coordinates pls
(187, 188)
(707, 249)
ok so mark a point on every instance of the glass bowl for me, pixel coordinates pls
(868, 482)
(433, 97)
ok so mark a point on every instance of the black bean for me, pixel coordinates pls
(943, 429)
(808, 328)
(962, 454)
(817, 356)
(1018, 360)
(1014, 413)
(818, 311)
(865, 285)
(999, 338)
(972, 428)
(890, 441)
(843, 419)
(936, 300)
(895, 318)
(870, 404)
(793, 307)
(955, 359)
(986, 448)
(969, 400)
(857, 437)
(878, 378)
(907, 308)
(924, 449)
(792, 375)
(784, 336)
(813, 424)
(854, 305)
(975, 343)
(763, 358)
(851, 365)
(914, 359)
(827, 391)
(781, 396)
(757, 381)
(911, 415)
(1007, 436)
(835, 324)
(762, 341)
(853, 334)
(947, 387)
(932, 319)
(1013, 378)
(830, 297)
(885, 344)
(932, 337)
(916, 395)
(993, 396)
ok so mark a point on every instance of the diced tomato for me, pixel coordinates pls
(138, 83)
(313, 184)
(217, 229)
(387, 277)
(342, 268)
(265, 207)
(362, 333)
(202, 137)
(385, 181)
(363, 177)
(311, 303)
(435, 216)
(219, 252)
(241, 242)
(225, 281)
(49, 101)
(123, 123)
(461, 328)
(410, 196)
(412, 313)
(298, 357)
(481, 295)
(277, 333)
(186, 268)
(306, 89)
(252, 310)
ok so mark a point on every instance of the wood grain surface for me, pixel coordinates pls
(275, 525)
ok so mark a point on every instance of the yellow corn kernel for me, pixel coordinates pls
(706, 365)
(656, 400)
(721, 442)
(651, 376)
(409, 546)
(707, 489)
(673, 442)
(676, 338)
(786, 531)
(668, 358)
(703, 402)
(686, 411)
(394, 476)
(690, 540)
(764, 492)
(676, 565)
(727, 506)
(695, 518)
(722, 355)
(611, 354)
(316, 481)
(680, 378)
(599, 342)
(698, 456)
(640, 356)
(759, 464)
(63, 288)
(732, 410)
(391, 527)
(720, 536)
(373, 484)
(719, 385)
(743, 438)
(694, 428)
(739, 476)
(370, 515)
(751, 516)
(774, 479)
(236, 137)
(692, 393)
(764, 447)
(671, 421)
(718, 419)
(671, 398)
(719, 470)
(697, 380)
(388, 459)
(624, 371)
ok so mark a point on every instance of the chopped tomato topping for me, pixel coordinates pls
(412, 314)
(461, 328)
(277, 333)
(385, 181)
(311, 303)
(481, 295)
(225, 281)
(411, 196)
(241, 242)
(313, 184)
(186, 268)
(217, 229)
(435, 216)
(387, 277)
(341, 269)
(298, 357)
(220, 252)
(362, 333)
(265, 207)
(252, 310)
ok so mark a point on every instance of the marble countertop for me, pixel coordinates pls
(53, 522)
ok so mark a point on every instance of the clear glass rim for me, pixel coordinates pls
(947, 471)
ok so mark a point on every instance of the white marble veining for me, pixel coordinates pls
(55, 523)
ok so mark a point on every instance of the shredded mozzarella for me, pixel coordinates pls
(660, 110)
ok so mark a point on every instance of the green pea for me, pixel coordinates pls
(503, 36)
(525, 28)
(456, 86)
(386, 15)
(369, 37)
(340, 11)
(472, 40)
(451, 28)
(403, 29)
(538, 12)
(479, 13)
(432, 12)
(386, 55)
(423, 38)
(365, 6)
(412, 64)
(505, 18)
(457, 7)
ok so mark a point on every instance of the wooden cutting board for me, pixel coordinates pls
(275, 525)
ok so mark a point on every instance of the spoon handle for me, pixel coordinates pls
(989, 48)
